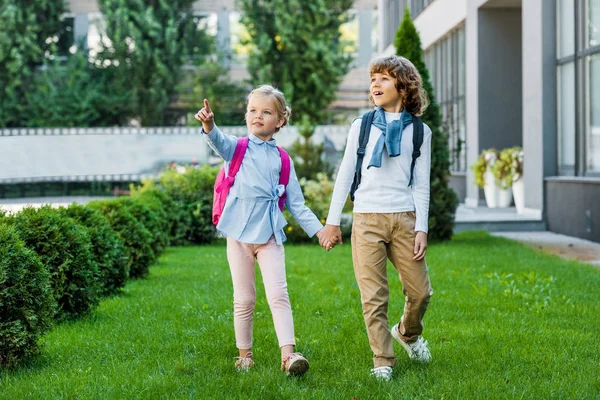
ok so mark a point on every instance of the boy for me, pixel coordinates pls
(391, 207)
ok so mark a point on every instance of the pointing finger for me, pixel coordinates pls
(207, 106)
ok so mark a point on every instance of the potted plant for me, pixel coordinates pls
(510, 167)
(492, 178)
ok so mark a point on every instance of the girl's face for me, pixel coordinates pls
(261, 117)
(384, 92)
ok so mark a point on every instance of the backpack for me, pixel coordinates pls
(223, 183)
(363, 139)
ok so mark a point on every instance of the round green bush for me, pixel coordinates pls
(107, 247)
(26, 302)
(155, 223)
(136, 238)
(178, 219)
(65, 249)
(194, 188)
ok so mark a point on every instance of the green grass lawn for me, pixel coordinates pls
(505, 322)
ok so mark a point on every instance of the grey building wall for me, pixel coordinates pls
(539, 99)
(494, 83)
(500, 78)
(573, 207)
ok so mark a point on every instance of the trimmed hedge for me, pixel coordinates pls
(157, 225)
(26, 302)
(136, 238)
(194, 188)
(178, 219)
(107, 247)
(65, 249)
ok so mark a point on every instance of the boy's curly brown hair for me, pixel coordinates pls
(408, 82)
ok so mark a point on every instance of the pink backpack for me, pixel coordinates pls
(224, 183)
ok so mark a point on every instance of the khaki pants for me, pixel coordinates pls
(375, 238)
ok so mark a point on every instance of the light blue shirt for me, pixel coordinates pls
(251, 213)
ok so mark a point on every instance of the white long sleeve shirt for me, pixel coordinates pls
(385, 189)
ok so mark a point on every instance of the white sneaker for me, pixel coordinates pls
(417, 351)
(382, 373)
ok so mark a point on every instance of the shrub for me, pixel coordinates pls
(317, 194)
(26, 302)
(178, 220)
(65, 249)
(107, 247)
(151, 221)
(194, 188)
(136, 238)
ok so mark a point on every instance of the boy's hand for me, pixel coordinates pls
(330, 235)
(420, 246)
(206, 116)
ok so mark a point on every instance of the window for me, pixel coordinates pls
(445, 61)
(578, 73)
(593, 136)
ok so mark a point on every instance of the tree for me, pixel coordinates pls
(147, 40)
(28, 35)
(295, 46)
(443, 201)
(76, 93)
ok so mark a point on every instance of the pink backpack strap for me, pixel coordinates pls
(284, 175)
(238, 156)
(234, 165)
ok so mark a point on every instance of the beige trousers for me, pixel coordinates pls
(377, 237)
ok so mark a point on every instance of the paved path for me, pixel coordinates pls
(565, 246)
(15, 205)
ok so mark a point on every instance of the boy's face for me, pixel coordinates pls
(261, 116)
(384, 92)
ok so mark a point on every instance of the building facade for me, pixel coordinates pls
(518, 73)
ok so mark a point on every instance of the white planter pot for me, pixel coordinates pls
(519, 194)
(495, 197)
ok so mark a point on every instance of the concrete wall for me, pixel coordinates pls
(539, 99)
(500, 78)
(494, 83)
(573, 206)
(439, 18)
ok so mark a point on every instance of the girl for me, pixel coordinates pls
(253, 223)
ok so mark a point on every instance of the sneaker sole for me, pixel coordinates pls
(298, 367)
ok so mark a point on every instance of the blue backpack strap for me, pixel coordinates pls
(417, 142)
(363, 139)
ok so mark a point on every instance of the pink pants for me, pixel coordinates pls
(271, 260)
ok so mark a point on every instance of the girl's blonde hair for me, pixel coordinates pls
(408, 82)
(283, 110)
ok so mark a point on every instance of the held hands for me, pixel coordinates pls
(420, 246)
(206, 116)
(330, 236)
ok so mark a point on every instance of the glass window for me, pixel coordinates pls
(462, 84)
(593, 33)
(566, 28)
(566, 117)
(593, 137)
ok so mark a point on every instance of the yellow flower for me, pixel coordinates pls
(289, 229)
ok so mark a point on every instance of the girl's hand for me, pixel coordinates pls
(420, 246)
(329, 236)
(206, 116)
